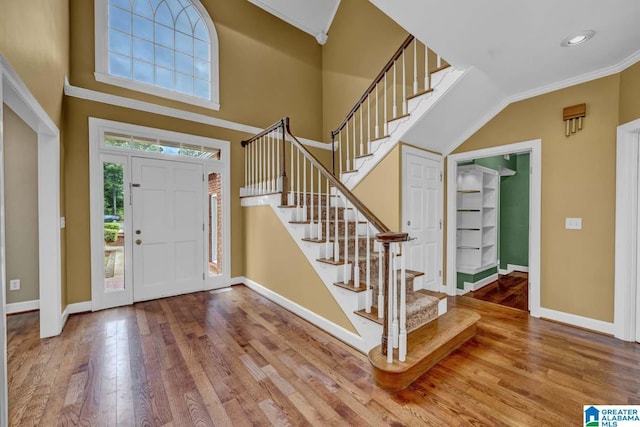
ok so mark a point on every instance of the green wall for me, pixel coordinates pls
(513, 231)
(514, 215)
(472, 278)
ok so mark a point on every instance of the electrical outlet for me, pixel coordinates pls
(14, 285)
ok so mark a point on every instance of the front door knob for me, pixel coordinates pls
(138, 242)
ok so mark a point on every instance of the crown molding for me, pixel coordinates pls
(134, 104)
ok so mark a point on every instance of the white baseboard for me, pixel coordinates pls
(575, 320)
(515, 267)
(468, 287)
(78, 307)
(337, 331)
(461, 292)
(237, 280)
(503, 272)
(20, 307)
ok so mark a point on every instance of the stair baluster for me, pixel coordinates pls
(348, 212)
(393, 89)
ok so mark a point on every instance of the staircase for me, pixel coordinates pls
(359, 259)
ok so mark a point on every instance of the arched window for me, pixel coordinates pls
(167, 48)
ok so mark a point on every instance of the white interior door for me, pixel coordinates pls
(422, 214)
(168, 228)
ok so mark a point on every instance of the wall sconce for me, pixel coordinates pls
(571, 115)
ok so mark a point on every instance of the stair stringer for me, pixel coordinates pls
(369, 332)
(417, 107)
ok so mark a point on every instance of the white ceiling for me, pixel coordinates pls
(510, 49)
(517, 44)
(311, 16)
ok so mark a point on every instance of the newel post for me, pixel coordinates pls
(386, 239)
(284, 196)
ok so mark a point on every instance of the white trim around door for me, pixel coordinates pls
(534, 147)
(100, 153)
(17, 96)
(626, 318)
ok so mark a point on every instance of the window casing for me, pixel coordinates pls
(167, 48)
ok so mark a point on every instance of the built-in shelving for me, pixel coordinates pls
(477, 199)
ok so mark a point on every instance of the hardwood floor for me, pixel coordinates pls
(511, 290)
(234, 358)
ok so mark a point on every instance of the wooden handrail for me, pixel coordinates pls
(375, 82)
(276, 125)
(377, 223)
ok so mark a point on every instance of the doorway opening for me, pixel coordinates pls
(477, 253)
(492, 229)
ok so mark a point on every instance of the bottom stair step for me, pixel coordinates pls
(426, 346)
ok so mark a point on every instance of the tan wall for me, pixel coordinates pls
(77, 184)
(34, 37)
(361, 41)
(630, 94)
(274, 260)
(268, 69)
(578, 180)
(21, 207)
(380, 190)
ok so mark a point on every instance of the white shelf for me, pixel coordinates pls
(476, 219)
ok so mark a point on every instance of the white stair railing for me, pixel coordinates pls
(313, 187)
(398, 82)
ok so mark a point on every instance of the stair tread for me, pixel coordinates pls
(313, 240)
(440, 68)
(331, 261)
(373, 316)
(362, 156)
(350, 171)
(439, 295)
(351, 287)
(402, 116)
(379, 138)
(426, 346)
(420, 93)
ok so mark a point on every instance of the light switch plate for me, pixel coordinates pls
(14, 285)
(573, 223)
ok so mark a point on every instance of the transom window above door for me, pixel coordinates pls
(167, 48)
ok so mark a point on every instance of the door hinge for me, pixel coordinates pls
(439, 273)
(203, 276)
(202, 227)
(202, 177)
(440, 224)
(440, 176)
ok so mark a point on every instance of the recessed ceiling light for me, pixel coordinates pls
(577, 39)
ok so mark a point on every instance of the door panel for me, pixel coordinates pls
(168, 223)
(422, 210)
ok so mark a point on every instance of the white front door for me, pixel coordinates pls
(168, 228)
(422, 214)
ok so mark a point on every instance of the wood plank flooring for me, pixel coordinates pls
(511, 290)
(234, 358)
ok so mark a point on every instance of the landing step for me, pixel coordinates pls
(426, 346)
(351, 287)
